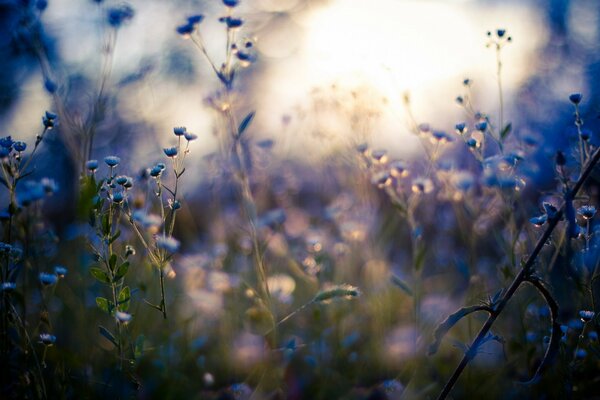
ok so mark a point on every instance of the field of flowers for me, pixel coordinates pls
(138, 264)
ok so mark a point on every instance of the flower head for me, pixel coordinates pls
(112, 161)
(587, 212)
(47, 339)
(60, 271)
(167, 243)
(575, 98)
(170, 151)
(91, 165)
(47, 279)
(118, 15)
(123, 317)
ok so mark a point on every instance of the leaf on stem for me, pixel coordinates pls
(245, 123)
(448, 323)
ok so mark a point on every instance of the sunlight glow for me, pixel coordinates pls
(386, 48)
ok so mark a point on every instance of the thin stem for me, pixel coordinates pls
(521, 277)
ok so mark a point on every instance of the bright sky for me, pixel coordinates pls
(370, 50)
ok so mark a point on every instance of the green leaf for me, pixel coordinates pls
(506, 131)
(105, 225)
(115, 237)
(106, 333)
(103, 304)
(139, 346)
(124, 299)
(112, 261)
(448, 323)
(100, 275)
(401, 284)
(420, 257)
(245, 123)
(121, 271)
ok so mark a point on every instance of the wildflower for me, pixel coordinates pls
(593, 336)
(91, 165)
(118, 197)
(49, 120)
(586, 316)
(185, 30)
(19, 146)
(112, 161)
(399, 169)
(167, 243)
(174, 205)
(481, 126)
(49, 185)
(575, 98)
(122, 180)
(4, 152)
(391, 386)
(472, 143)
(580, 354)
(195, 20)
(47, 279)
(129, 251)
(50, 86)
(147, 221)
(461, 128)
(231, 3)
(123, 317)
(539, 221)
(422, 185)
(170, 151)
(500, 32)
(6, 142)
(381, 179)
(47, 339)
(179, 131)
(586, 134)
(550, 209)
(587, 212)
(8, 286)
(441, 137)
(379, 155)
(232, 22)
(460, 99)
(156, 171)
(60, 271)
(190, 136)
(118, 15)
(362, 148)
(463, 181)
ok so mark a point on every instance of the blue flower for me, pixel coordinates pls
(118, 197)
(47, 279)
(60, 271)
(195, 20)
(586, 316)
(167, 243)
(500, 32)
(91, 165)
(49, 185)
(481, 126)
(123, 317)
(190, 136)
(19, 146)
(6, 142)
(8, 286)
(185, 29)
(50, 86)
(587, 212)
(170, 151)
(49, 120)
(231, 3)
(118, 15)
(156, 171)
(460, 128)
(539, 221)
(575, 98)
(232, 22)
(112, 161)
(47, 339)
(179, 131)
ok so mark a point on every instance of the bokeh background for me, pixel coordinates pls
(329, 75)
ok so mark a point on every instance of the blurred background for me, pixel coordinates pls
(329, 75)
